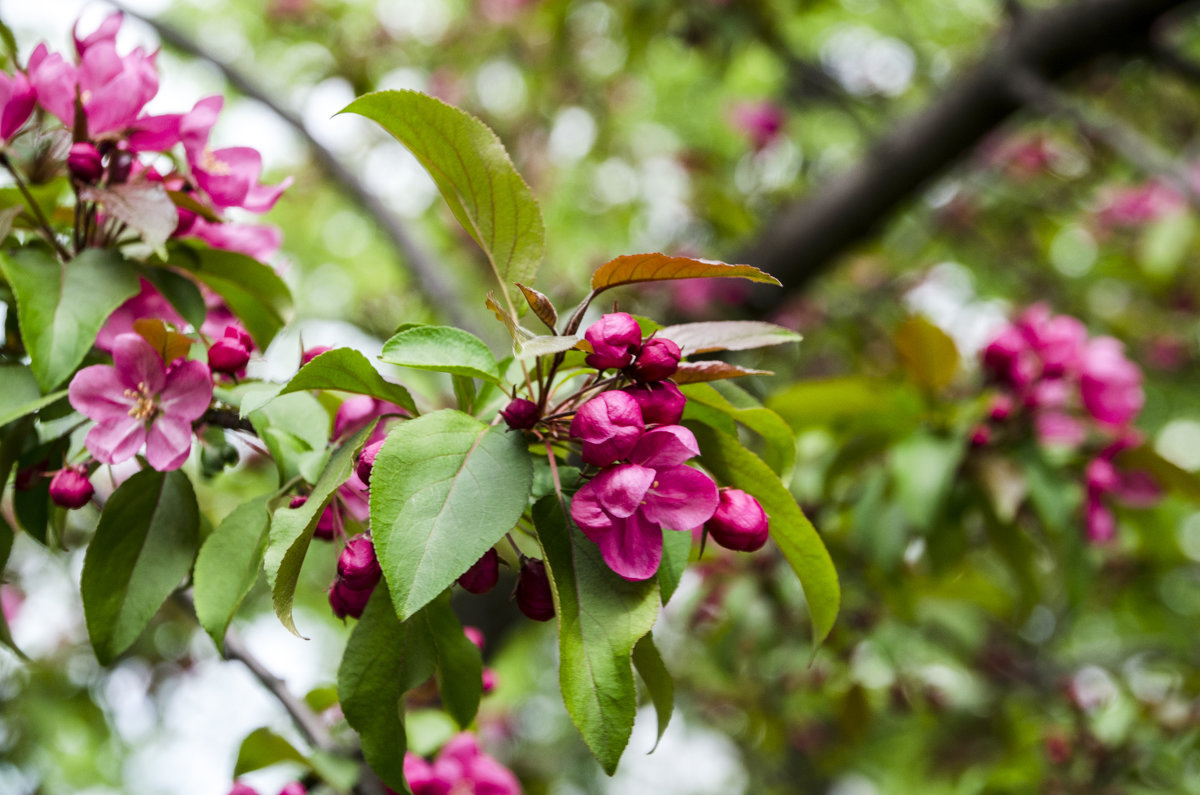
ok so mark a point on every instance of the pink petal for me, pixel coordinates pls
(138, 365)
(97, 393)
(633, 548)
(681, 498)
(588, 512)
(261, 198)
(106, 32)
(115, 440)
(188, 391)
(665, 446)
(155, 133)
(197, 123)
(168, 443)
(620, 489)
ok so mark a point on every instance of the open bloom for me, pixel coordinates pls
(229, 176)
(139, 400)
(626, 507)
(459, 767)
(17, 99)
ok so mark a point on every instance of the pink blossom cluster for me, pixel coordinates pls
(294, 788)
(460, 767)
(1071, 386)
(358, 573)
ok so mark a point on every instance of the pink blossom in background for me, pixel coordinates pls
(1022, 156)
(1058, 340)
(460, 767)
(1110, 384)
(1139, 204)
(357, 410)
(259, 241)
(11, 599)
(700, 297)
(139, 401)
(761, 122)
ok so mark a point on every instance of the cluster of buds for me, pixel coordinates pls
(358, 573)
(1071, 387)
(459, 767)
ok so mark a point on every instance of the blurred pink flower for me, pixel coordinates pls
(229, 176)
(1110, 384)
(762, 122)
(1139, 204)
(460, 767)
(148, 303)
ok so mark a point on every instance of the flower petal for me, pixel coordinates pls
(97, 393)
(681, 498)
(168, 443)
(633, 549)
(665, 446)
(115, 440)
(138, 365)
(588, 511)
(622, 488)
(188, 391)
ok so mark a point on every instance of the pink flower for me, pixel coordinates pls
(1058, 427)
(70, 488)
(242, 789)
(356, 411)
(259, 241)
(229, 176)
(615, 339)
(661, 402)
(366, 461)
(658, 359)
(609, 425)
(1099, 522)
(483, 574)
(1110, 385)
(739, 522)
(460, 767)
(1058, 340)
(520, 414)
(147, 303)
(139, 400)
(626, 507)
(1010, 359)
(17, 99)
(231, 353)
(1140, 204)
(294, 788)
(761, 122)
(357, 566)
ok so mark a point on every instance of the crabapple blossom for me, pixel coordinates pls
(1110, 384)
(534, 598)
(739, 522)
(357, 566)
(70, 488)
(231, 353)
(520, 414)
(658, 359)
(615, 339)
(366, 461)
(459, 767)
(608, 425)
(85, 163)
(17, 100)
(483, 574)
(661, 402)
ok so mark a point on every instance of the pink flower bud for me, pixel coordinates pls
(490, 680)
(84, 163)
(70, 488)
(295, 788)
(366, 461)
(228, 356)
(1001, 409)
(981, 436)
(297, 501)
(614, 338)
(661, 402)
(520, 414)
(658, 359)
(326, 527)
(1099, 522)
(533, 591)
(242, 789)
(475, 635)
(609, 426)
(483, 574)
(357, 566)
(313, 353)
(347, 601)
(739, 522)
(120, 164)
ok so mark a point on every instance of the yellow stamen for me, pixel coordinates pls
(212, 165)
(145, 407)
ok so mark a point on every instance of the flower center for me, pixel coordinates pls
(144, 406)
(214, 166)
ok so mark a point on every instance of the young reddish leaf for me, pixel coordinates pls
(144, 207)
(540, 305)
(169, 344)
(928, 353)
(726, 335)
(695, 372)
(660, 267)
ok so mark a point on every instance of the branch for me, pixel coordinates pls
(228, 419)
(428, 275)
(803, 240)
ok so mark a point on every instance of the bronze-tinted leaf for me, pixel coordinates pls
(695, 372)
(633, 268)
(541, 306)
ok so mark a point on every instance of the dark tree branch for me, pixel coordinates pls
(228, 419)
(804, 239)
(428, 276)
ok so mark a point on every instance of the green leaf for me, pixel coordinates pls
(845, 401)
(475, 176)
(143, 548)
(384, 659)
(263, 748)
(253, 290)
(446, 487)
(181, 292)
(1168, 475)
(228, 566)
(781, 453)
(726, 335)
(654, 673)
(62, 307)
(545, 345)
(923, 468)
(291, 427)
(347, 370)
(600, 618)
(443, 349)
(711, 370)
(21, 395)
(292, 528)
(633, 268)
(733, 464)
(677, 547)
(459, 663)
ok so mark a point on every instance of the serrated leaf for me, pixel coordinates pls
(546, 345)
(445, 488)
(347, 370)
(21, 395)
(143, 548)
(633, 268)
(600, 618)
(541, 306)
(263, 748)
(253, 291)
(698, 372)
(733, 464)
(459, 663)
(384, 659)
(228, 566)
(726, 335)
(443, 349)
(62, 307)
(654, 673)
(143, 206)
(928, 353)
(472, 170)
(292, 528)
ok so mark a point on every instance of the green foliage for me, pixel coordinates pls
(459, 664)
(252, 290)
(228, 565)
(21, 395)
(654, 673)
(347, 370)
(442, 349)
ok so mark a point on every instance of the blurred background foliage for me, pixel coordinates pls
(978, 650)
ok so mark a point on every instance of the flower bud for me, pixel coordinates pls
(357, 566)
(70, 488)
(227, 356)
(326, 527)
(475, 635)
(658, 359)
(347, 601)
(242, 789)
(1001, 408)
(609, 425)
(661, 402)
(84, 163)
(120, 164)
(366, 461)
(521, 414)
(614, 338)
(739, 522)
(313, 353)
(483, 574)
(981, 436)
(490, 680)
(295, 788)
(533, 591)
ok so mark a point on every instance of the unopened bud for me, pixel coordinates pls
(313, 353)
(228, 356)
(325, 525)
(981, 436)
(520, 414)
(357, 566)
(490, 680)
(366, 461)
(85, 163)
(661, 402)
(70, 488)
(658, 359)
(615, 339)
(483, 574)
(347, 601)
(739, 522)
(474, 635)
(120, 164)
(533, 591)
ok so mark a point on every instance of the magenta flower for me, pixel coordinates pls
(229, 176)
(231, 353)
(1110, 385)
(533, 594)
(762, 122)
(626, 507)
(661, 402)
(609, 425)
(460, 767)
(357, 566)
(149, 303)
(70, 488)
(259, 241)
(658, 359)
(139, 401)
(520, 414)
(483, 574)
(17, 99)
(615, 339)
(1058, 340)
(739, 522)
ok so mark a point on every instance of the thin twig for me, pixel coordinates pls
(427, 274)
(43, 221)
